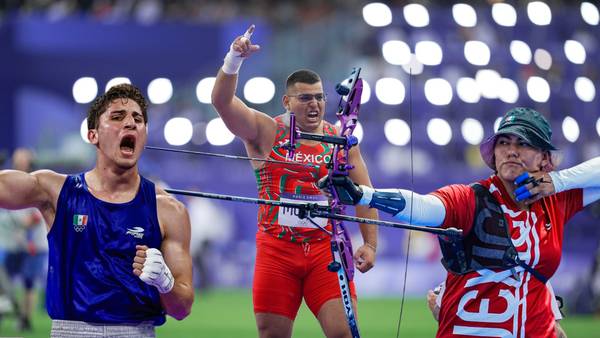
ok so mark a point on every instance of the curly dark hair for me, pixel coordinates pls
(121, 91)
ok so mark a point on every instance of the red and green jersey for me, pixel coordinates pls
(293, 183)
(487, 303)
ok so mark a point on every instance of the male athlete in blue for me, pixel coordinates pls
(118, 246)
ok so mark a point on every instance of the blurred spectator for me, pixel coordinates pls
(211, 225)
(23, 238)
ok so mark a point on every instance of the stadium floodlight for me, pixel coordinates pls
(416, 15)
(259, 90)
(472, 131)
(115, 81)
(439, 131)
(570, 129)
(390, 91)
(377, 14)
(85, 89)
(160, 90)
(397, 132)
(429, 53)
(414, 67)
(396, 52)
(520, 52)
(468, 90)
(178, 131)
(366, 92)
(538, 89)
(585, 89)
(575, 51)
(504, 14)
(477, 53)
(464, 15)
(589, 13)
(539, 13)
(358, 130)
(598, 126)
(542, 58)
(83, 131)
(204, 89)
(438, 91)
(488, 81)
(508, 91)
(217, 133)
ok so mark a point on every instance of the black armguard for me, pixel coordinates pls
(348, 192)
(390, 202)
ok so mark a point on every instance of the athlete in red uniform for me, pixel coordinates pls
(292, 253)
(509, 299)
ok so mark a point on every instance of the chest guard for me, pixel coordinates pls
(488, 244)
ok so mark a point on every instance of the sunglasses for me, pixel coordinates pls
(305, 98)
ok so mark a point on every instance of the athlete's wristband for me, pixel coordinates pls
(232, 62)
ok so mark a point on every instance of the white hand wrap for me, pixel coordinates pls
(156, 272)
(233, 60)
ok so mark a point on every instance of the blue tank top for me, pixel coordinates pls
(91, 250)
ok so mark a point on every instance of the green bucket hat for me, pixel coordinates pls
(525, 123)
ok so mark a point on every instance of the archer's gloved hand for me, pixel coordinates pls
(150, 266)
(348, 192)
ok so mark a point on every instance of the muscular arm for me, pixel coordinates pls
(365, 254)
(255, 128)
(40, 189)
(176, 252)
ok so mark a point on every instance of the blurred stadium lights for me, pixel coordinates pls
(160, 90)
(396, 52)
(85, 89)
(259, 90)
(520, 52)
(570, 129)
(429, 53)
(589, 13)
(439, 131)
(585, 89)
(390, 91)
(438, 91)
(115, 81)
(414, 67)
(416, 15)
(178, 131)
(477, 53)
(468, 90)
(575, 51)
(358, 130)
(538, 89)
(217, 133)
(397, 132)
(598, 126)
(542, 59)
(508, 91)
(377, 14)
(472, 131)
(366, 92)
(504, 14)
(464, 15)
(204, 89)
(488, 81)
(83, 131)
(539, 13)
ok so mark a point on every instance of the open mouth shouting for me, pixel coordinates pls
(313, 116)
(127, 145)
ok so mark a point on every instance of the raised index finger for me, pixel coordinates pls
(249, 32)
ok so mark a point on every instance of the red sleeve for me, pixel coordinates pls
(459, 201)
(568, 204)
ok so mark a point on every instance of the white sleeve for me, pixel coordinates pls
(554, 302)
(585, 176)
(425, 210)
